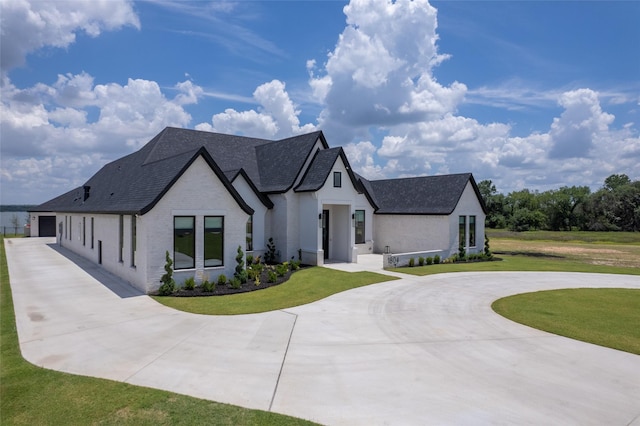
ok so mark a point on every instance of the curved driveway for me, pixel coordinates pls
(425, 350)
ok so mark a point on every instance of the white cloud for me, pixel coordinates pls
(29, 26)
(46, 126)
(380, 71)
(276, 118)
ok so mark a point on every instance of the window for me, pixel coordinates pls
(70, 228)
(472, 231)
(133, 240)
(65, 227)
(84, 231)
(249, 246)
(92, 233)
(462, 227)
(213, 241)
(359, 218)
(120, 238)
(337, 179)
(184, 242)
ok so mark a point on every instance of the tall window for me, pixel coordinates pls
(84, 231)
(184, 242)
(120, 238)
(92, 228)
(133, 239)
(213, 241)
(472, 231)
(337, 179)
(462, 228)
(65, 227)
(70, 228)
(249, 246)
(359, 218)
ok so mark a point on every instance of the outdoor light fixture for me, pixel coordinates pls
(320, 220)
(353, 219)
(387, 250)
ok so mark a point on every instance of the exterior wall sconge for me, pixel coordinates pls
(320, 220)
(353, 219)
(387, 250)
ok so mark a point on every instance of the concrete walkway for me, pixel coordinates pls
(425, 350)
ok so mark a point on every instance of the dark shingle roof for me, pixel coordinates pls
(318, 171)
(134, 183)
(429, 195)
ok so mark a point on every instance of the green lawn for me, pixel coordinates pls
(305, 286)
(521, 263)
(606, 317)
(30, 395)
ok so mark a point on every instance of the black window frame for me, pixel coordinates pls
(472, 231)
(360, 224)
(249, 234)
(180, 264)
(134, 240)
(462, 231)
(337, 179)
(121, 238)
(208, 263)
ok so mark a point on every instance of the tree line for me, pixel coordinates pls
(614, 207)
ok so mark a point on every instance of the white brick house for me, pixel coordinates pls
(200, 195)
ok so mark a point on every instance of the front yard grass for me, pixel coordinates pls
(31, 395)
(305, 286)
(605, 317)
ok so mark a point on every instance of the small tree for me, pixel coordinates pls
(270, 255)
(168, 283)
(241, 273)
(462, 253)
(487, 250)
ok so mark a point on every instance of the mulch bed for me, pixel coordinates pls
(250, 285)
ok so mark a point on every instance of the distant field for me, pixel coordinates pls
(616, 249)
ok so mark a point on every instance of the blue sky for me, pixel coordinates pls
(529, 94)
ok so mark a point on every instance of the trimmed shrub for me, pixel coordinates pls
(282, 269)
(436, 259)
(412, 262)
(240, 271)
(235, 283)
(168, 285)
(222, 279)
(208, 286)
(249, 259)
(429, 260)
(190, 283)
(273, 277)
(270, 255)
(421, 261)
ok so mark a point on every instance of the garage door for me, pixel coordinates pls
(46, 226)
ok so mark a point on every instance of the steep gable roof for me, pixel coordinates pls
(429, 195)
(136, 182)
(318, 171)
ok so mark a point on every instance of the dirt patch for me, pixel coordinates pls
(579, 250)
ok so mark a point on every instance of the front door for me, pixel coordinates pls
(325, 233)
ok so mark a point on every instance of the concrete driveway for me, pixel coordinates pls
(423, 350)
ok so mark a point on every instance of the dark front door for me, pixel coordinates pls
(325, 233)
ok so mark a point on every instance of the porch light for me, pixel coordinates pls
(353, 219)
(320, 220)
(387, 250)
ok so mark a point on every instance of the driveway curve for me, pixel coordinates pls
(420, 350)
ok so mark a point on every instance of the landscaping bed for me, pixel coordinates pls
(228, 288)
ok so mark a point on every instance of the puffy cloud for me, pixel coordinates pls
(379, 73)
(29, 26)
(276, 118)
(580, 126)
(69, 129)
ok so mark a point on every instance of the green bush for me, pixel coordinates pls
(273, 277)
(429, 260)
(168, 285)
(412, 262)
(190, 283)
(421, 261)
(436, 259)
(208, 286)
(249, 259)
(270, 255)
(252, 274)
(295, 265)
(282, 269)
(240, 271)
(222, 279)
(235, 283)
